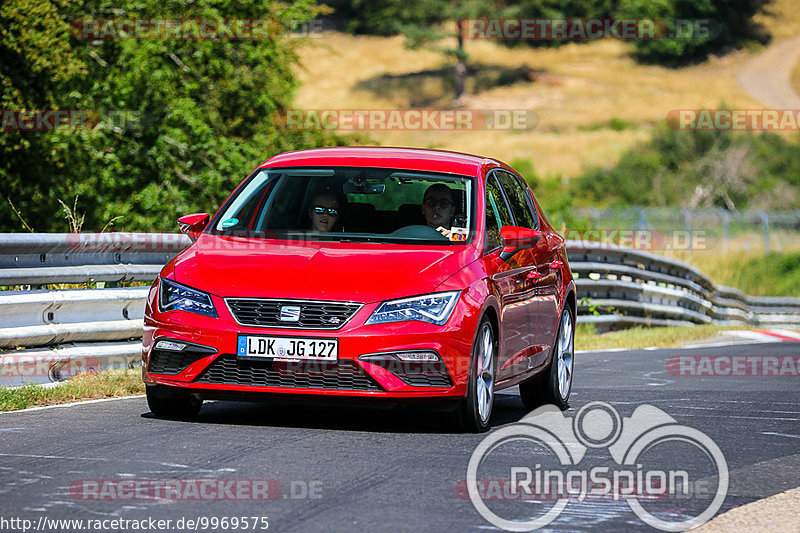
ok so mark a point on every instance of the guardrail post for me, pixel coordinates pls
(642, 223)
(687, 220)
(765, 224)
(726, 227)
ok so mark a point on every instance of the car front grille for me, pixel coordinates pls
(341, 375)
(262, 312)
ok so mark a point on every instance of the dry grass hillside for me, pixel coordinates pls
(593, 101)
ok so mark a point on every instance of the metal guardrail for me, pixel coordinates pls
(617, 287)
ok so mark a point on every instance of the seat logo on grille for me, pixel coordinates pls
(290, 313)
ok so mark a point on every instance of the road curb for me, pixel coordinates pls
(777, 514)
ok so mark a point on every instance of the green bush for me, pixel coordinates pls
(732, 170)
(200, 113)
(722, 24)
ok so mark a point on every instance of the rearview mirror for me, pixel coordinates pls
(363, 186)
(516, 238)
(194, 224)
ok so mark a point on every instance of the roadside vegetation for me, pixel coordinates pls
(88, 386)
(587, 338)
(773, 274)
(162, 126)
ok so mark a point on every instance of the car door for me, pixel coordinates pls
(543, 305)
(549, 266)
(533, 283)
(513, 281)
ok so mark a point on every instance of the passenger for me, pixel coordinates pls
(438, 208)
(324, 212)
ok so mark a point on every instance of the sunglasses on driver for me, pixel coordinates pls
(332, 211)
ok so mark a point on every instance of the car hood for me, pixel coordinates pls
(361, 272)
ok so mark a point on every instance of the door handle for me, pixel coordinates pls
(555, 265)
(533, 274)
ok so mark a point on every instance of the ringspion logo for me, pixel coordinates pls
(522, 477)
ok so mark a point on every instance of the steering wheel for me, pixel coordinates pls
(418, 231)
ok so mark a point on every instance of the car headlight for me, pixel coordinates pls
(433, 308)
(172, 296)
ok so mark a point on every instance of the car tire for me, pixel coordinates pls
(554, 384)
(476, 409)
(171, 404)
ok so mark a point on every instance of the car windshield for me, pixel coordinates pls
(351, 204)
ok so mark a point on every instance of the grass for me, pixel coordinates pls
(576, 88)
(586, 337)
(88, 386)
(593, 100)
(773, 274)
(746, 266)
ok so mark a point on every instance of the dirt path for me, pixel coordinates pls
(766, 77)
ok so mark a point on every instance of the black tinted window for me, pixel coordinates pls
(497, 214)
(518, 197)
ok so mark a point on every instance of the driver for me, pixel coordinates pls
(324, 212)
(438, 208)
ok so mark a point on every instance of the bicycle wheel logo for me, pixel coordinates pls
(560, 465)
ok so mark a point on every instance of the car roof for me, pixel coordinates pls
(386, 157)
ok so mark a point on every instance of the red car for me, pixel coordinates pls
(375, 273)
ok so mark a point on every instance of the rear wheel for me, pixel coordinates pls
(172, 404)
(476, 409)
(554, 384)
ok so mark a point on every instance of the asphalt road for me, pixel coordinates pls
(353, 469)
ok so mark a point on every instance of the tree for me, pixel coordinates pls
(723, 24)
(179, 122)
(438, 25)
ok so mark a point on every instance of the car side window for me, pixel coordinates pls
(497, 213)
(519, 199)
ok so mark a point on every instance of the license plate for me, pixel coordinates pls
(288, 348)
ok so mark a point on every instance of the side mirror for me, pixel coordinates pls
(194, 224)
(516, 238)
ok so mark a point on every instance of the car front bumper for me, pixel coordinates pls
(210, 367)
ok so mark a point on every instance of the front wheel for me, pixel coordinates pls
(476, 409)
(555, 383)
